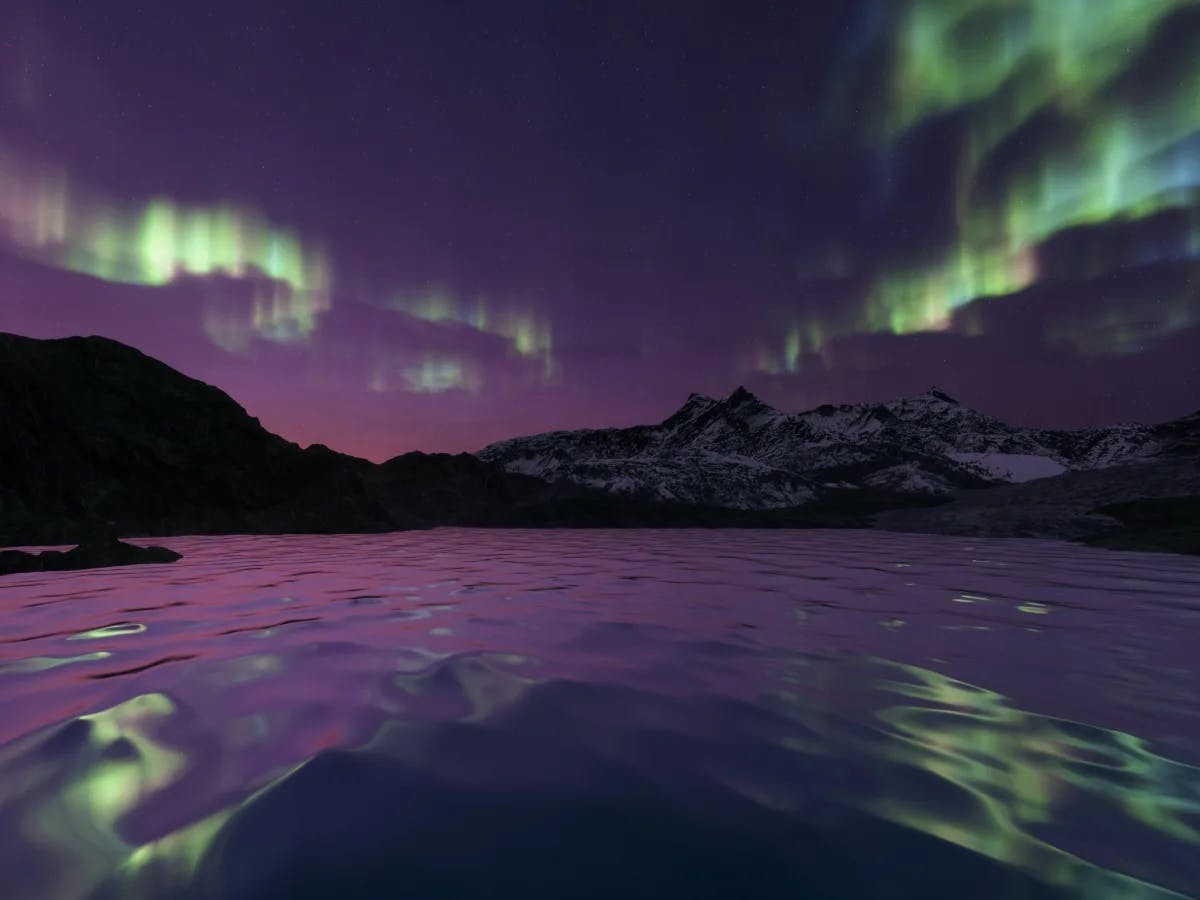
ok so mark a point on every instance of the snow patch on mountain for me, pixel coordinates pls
(1013, 467)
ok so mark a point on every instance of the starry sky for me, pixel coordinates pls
(431, 225)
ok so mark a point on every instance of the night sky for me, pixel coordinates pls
(406, 225)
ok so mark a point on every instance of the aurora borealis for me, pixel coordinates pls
(161, 241)
(1113, 156)
(430, 228)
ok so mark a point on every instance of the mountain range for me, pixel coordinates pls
(738, 452)
(101, 441)
(98, 440)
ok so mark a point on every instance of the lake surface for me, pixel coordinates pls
(465, 713)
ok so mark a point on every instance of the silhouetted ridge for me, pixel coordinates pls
(98, 440)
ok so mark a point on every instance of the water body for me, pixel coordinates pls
(464, 713)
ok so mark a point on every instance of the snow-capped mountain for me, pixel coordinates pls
(739, 452)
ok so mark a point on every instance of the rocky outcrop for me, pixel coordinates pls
(95, 555)
(1165, 524)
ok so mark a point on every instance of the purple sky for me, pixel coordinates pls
(478, 220)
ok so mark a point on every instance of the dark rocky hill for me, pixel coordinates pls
(99, 438)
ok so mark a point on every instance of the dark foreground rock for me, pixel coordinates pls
(86, 556)
(1166, 524)
(100, 439)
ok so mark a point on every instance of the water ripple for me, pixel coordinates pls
(746, 713)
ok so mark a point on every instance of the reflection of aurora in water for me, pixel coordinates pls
(1021, 771)
(1072, 118)
(463, 658)
(1017, 767)
(122, 761)
(118, 764)
(1011, 776)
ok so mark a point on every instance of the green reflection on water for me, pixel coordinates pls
(1021, 770)
(117, 766)
(117, 630)
(42, 663)
(171, 860)
(115, 783)
(1018, 772)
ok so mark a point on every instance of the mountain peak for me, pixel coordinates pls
(697, 401)
(936, 393)
(692, 407)
(740, 396)
(747, 408)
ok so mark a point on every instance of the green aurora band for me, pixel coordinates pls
(1124, 146)
(48, 218)
(529, 334)
(428, 373)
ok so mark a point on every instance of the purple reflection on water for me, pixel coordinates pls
(991, 699)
